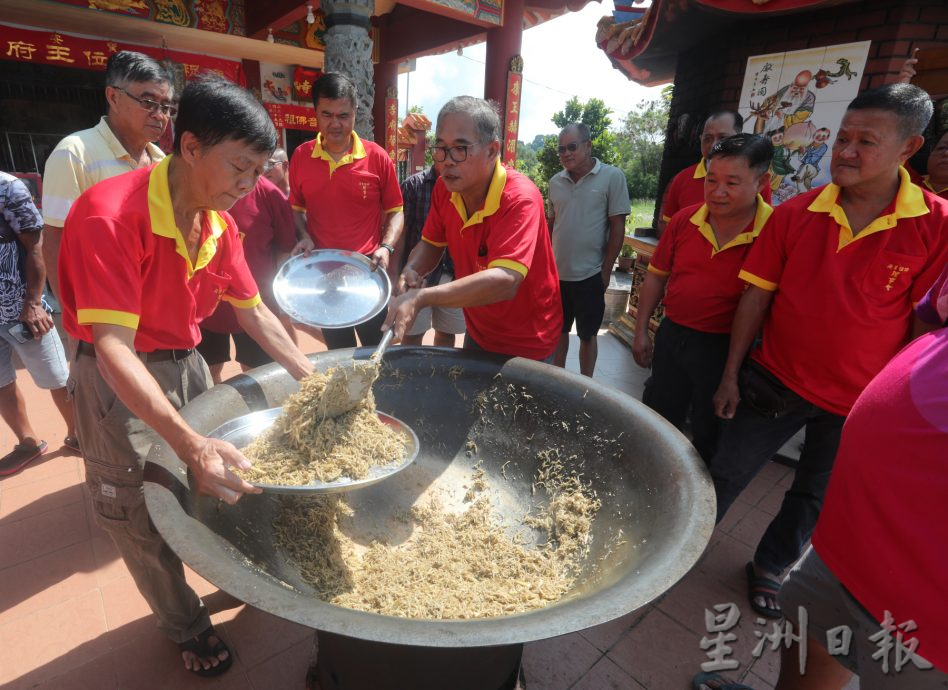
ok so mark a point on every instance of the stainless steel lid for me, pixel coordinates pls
(331, 288)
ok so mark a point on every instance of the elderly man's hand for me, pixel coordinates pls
(642, 349)
(380, 258)
(36, 319)
(409, 280)
(211, 461)
(303, 246)
(726, 398)
(402, 311)
(908, 69)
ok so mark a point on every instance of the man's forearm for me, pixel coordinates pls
(51, 239)
(424, 258)
(483, 287)
(35, 273)
(267, 331)
(392, 228)
(299, 224)
(614, 243)
(750, 315)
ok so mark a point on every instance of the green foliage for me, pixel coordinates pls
(640, 141)
(626, 251)
(594, 114)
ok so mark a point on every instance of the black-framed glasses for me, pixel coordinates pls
(151, 106)
(458, 153)
(571, 146)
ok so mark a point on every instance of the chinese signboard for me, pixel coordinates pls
(512, 117)
(64, 50)
(797, 100)
(291, 116)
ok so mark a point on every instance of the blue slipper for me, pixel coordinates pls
(717, 682)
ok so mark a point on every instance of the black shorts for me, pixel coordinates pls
(584, 301)
(215, 349)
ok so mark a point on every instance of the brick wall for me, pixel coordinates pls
(710, 75)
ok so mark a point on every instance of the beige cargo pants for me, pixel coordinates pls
(114, 446)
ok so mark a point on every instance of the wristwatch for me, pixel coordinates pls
(390, 248)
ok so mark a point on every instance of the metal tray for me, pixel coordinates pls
(331, 288)
(244, 429)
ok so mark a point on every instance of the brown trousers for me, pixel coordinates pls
(114, 446)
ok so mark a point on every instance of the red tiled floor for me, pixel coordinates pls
(98, 674)
(659, 653)
(257, 636)
(286, 670)
(606, 675)
(24, 500)
(604, 636)
(557, 663)
(46, 532)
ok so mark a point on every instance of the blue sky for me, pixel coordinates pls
(561, 60)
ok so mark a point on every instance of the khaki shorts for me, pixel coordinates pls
(812, 585)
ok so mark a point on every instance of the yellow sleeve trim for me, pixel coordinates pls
(440, 245)
(507, 263)
(666, 218)
(394, 209)
(87, 317)
(243, 303)
(757, 281)
(301, 209)
(658, 271)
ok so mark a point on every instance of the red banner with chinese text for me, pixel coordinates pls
(303, 80)
(512, 117)
(292, 116)
(65, 50)
(391, 128)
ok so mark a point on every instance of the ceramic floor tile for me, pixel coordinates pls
(286, 670)
(257, 636)
(659, 653)
(725, 562)
(109, 564)
(557, 663)
(604, 636)
(50, 465)
(126, 609)
(752, 527)
(52, 641)
(756, 682)
(734, 515)
(606, 675)
(46, 581)
(32, 537)
(98, 674)
(40, 496)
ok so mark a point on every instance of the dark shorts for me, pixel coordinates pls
(584, 301)
(215, 349)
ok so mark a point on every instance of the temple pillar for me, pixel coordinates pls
(503, 43)
(386, 78)
(349, 51)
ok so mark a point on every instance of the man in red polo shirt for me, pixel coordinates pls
(697, 260)
(492, 221)
(687, 187)
(832, 282)
(345, 195)
(145, 256)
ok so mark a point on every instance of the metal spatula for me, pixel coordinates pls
(355, 378)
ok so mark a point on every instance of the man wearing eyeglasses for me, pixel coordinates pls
(590, 201)
(491, 220)
(278, 171)
(139, 94)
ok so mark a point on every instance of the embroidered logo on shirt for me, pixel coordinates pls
(895, 272)
(365, 189)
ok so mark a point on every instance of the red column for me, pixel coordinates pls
(386, 76)
(502, 44)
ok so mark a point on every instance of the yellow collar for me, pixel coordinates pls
(357, 151)
(701, 171)
(491, 203)
(928, 184)
(700, 220)
(909, 203)
(163, 224)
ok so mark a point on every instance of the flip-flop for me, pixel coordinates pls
(762, 587)
(722, 683)
(72, 443)
(21, 456)
(200, 646)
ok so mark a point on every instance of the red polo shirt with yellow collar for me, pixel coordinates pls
(509, 232)
(927, 184)
(703, 287)
(346, 200)
(124, 262)
(687, 189)
(842, 305)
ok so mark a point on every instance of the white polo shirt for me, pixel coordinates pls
(581, 218)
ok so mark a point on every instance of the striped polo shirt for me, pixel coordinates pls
(79, 161)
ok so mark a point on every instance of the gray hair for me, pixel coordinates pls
(484, 113)
(127, 67)
(910, 104)
(279, 155)
(581, 129)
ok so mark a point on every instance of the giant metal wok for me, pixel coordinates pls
(656, 518)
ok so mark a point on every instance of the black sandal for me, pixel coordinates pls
(763, 587)
(203, 649)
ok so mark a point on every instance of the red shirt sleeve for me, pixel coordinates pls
(104, 259)
(764, 264)
(663, 260)
(434, 230)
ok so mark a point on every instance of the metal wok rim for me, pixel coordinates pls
(692, 531)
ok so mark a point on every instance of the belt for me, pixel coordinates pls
(88, 349)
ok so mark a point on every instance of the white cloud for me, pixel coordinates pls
(561, 60)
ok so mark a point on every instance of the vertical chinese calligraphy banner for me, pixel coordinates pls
(512, 116)
(391, 127)
(797, 100)
(65, 50)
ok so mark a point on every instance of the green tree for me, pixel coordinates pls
(640, 142)
(594, 114)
